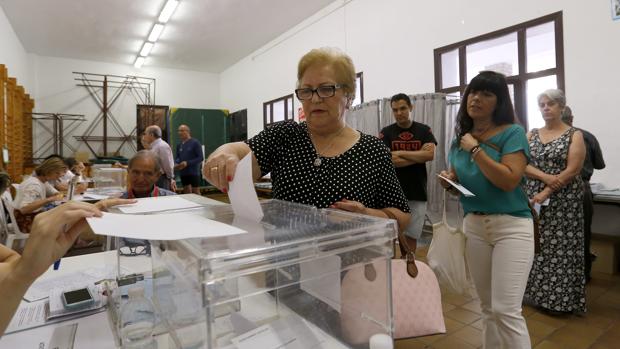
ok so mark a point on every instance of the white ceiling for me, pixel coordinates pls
(203, 35)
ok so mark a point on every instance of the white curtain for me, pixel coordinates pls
(365, 117)
(454, 212)
(431, 109)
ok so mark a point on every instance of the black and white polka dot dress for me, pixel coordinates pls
(364, 173)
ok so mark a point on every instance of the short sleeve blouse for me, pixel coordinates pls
(30, 190)
(364, 173)
(489, 198)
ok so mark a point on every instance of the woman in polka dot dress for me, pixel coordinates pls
(321, 162)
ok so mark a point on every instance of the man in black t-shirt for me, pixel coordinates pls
(412, 144)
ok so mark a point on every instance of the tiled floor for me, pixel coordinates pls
(599, 328)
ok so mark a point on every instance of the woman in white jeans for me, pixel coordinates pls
(489, 157)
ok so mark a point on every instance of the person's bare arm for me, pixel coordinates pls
(402, 218)
(80, 188)
(574, 162)
(35, 205)
(51, 235)
(410, 157)
(7, 256)
(220, 166)
(535, 173)
(505, 174)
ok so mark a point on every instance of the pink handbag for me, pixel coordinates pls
(416, 299)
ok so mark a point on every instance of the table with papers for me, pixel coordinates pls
(94, 331)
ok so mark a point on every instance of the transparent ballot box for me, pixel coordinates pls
(283, 284)
(109, 179)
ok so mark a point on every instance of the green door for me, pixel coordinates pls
(209, 126)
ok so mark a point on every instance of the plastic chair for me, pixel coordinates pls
(13, 232)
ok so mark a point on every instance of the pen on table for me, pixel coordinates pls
(57, 264)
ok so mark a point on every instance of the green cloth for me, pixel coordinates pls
(489, 198)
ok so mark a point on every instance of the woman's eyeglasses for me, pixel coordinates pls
(324, 91)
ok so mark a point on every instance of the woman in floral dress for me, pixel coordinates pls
(557, 280)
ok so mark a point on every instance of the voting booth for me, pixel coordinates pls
(278, 284)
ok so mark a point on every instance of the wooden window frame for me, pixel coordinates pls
(360, 75)
(268, 119)
(519, 81)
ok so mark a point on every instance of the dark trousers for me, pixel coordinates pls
(163, 182)
(588, 211)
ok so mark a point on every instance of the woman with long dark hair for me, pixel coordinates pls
(489, 156)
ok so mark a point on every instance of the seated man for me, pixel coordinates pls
(142, 173)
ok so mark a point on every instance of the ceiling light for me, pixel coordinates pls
(156, 32)
(146, 49)
(139, 62)
(169, 8)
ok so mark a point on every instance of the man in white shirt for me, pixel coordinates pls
(152, 135)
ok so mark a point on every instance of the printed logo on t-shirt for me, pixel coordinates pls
(406, 142)
(406, 136)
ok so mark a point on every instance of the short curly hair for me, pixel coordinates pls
(554, 95)
(340, 61)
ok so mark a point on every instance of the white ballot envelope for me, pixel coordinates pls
(458, 187)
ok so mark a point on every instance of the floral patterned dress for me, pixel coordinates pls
(557, 279)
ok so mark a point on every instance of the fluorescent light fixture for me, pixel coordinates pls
(169, 8)
(146, 49)
(139, 62)
(156, 32)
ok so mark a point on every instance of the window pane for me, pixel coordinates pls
(358, 91)
(511, 91)
(540, 47)
(278, 111)
(269, 120)
(534, 88)
(499, 54)
(450, 69)
(289, 108)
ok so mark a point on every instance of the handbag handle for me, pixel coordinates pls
(406, 252)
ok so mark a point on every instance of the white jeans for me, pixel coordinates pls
(418, 212)
(500, 250)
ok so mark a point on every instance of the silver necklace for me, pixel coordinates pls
(318, 161)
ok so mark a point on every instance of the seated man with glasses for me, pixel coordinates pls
(142, 174)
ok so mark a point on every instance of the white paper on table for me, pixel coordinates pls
(158, 204)
(458, 187)
(28, 315)
(40, 289)
(94, 196)
(173, 226)
(241, 193)
(93, 333)
(289, 332)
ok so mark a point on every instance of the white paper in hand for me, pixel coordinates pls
(458, 187)
(241, 192)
